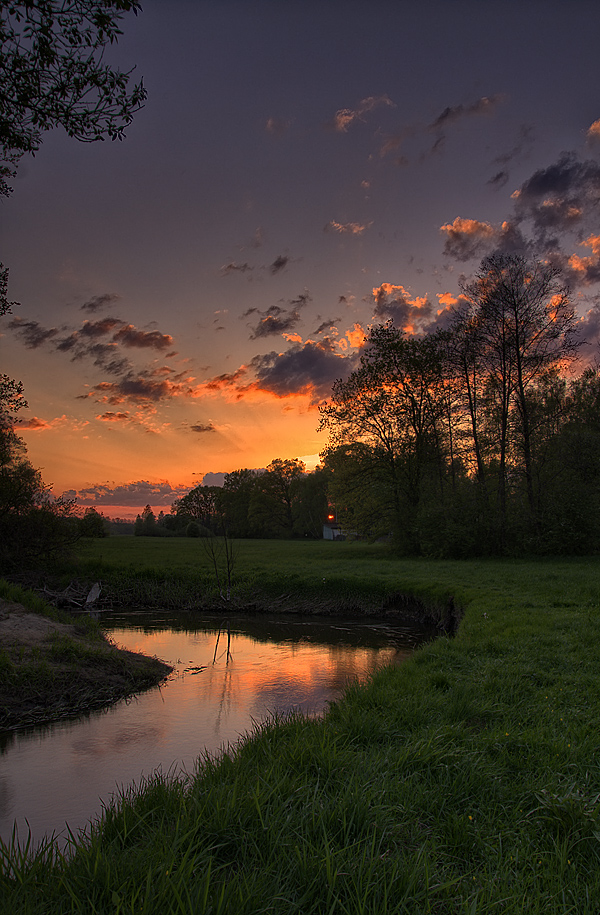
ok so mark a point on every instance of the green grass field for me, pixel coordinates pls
(351, 574)
(466, 780)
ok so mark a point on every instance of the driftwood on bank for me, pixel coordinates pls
(76, 596)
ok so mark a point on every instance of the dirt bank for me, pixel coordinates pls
(52, 669)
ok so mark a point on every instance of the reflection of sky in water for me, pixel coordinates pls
(60, 773)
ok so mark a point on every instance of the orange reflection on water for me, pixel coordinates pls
(63, 773)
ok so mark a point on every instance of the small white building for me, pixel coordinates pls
(332, 531)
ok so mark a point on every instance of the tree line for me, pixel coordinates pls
(281, 501)
(478, 439)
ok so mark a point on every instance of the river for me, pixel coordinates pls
(62, 774)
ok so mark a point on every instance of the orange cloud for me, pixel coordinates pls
(468, 238)
(447, 299)
(593, 132)
(387, 289)
(35, 424)
(462, 226)
(394, 302)
(587, 267)
(348, 228)
(356, 336)
(109, 417)
(347, 116)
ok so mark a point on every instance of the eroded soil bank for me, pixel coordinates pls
(51, 668)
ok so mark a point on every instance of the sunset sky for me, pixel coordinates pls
(300, 171)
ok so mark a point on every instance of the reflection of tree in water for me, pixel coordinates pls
(225, 701)
(289, 629)
(6, 798)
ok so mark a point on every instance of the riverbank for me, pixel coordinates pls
(300, 577)
(54, 667)
(464, 781)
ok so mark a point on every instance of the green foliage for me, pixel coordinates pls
(282, 501)
(33, 527)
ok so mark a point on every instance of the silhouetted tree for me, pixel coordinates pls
(236, 498)
(274, 496)
(33, 526)
(93, 524)
(145, 524)
(200, 504)
(53, 73)
(524, 326)
(395, 405)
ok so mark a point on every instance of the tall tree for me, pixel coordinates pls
(395, 403)
(201, 504)
(236, 499)
(525, 327)
(273, 501)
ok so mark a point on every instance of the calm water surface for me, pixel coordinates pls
(62, 773)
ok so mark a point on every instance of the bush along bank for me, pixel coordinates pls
(147, 589)
(464, 781)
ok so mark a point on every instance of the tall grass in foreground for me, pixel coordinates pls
(466, 780)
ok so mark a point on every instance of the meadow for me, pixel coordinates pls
(466, 780)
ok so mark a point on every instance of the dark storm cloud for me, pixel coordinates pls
(587, 335)
(452, 114)
(202, 427)
(280, 262)
(78, 340)
(278, 320)
(143, 389)
(522, 146)
(100, 301)
(99, 328)
(499, 179)
(32, 333)
(135, 494)
(131, 337)
(557, 200)
(273, 326)
(327, 325)
(104, 357)
(469, 238)
(304, 368)
(232, 267)
(393, 302)
(86, 341)
(562, 197)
